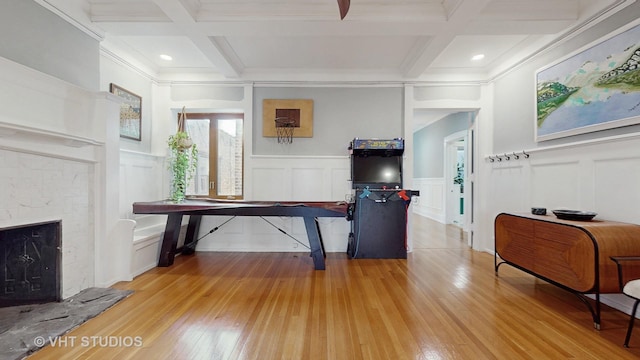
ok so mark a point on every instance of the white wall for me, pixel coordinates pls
(429, 149)
(431, 203)
(113, 70)
(339, 115)
(32, 35)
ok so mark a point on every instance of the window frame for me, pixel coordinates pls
(213, 118)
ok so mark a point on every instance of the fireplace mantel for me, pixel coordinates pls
(46, 142)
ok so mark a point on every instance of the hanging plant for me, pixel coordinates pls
(459, 178)
(183, 160)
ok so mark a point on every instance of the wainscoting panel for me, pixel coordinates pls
(431, 203)
(340, 183)
(622, 174)
(270, 184)
(556, 185)
(308, 184)
(289, 178)
(335, 233)
(142, 178)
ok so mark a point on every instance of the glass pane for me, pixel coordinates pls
(198, 130)
(229, 158)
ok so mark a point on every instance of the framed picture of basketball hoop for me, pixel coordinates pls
(295, 114)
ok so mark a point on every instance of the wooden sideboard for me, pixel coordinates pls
(574, 255)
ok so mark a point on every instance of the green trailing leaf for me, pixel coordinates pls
(183, 162)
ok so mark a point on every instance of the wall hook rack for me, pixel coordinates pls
(506, 156)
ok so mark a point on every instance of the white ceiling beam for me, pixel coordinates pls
(530, 10)
(143, 29)
(221, 55)
(273, 28)
(321, 11)
(227, 64)
(427, 51)
(129, 11)
(516, 27)
(176, 11)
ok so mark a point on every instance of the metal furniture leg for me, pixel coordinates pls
(633, 317)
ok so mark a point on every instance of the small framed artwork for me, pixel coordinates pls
(298, 111)
(593, 89)
(130, 113)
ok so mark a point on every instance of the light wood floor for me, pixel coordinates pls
(443, 302)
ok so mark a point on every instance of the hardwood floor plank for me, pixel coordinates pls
(443, 302)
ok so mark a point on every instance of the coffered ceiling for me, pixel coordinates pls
(305, 40)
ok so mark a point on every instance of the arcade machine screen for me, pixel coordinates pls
(377, 171)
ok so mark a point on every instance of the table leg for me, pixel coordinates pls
(324, 253)
(189, 246)
(170, 240)
(597, 316)
(315, 242)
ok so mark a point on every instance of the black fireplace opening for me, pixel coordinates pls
(30, 257)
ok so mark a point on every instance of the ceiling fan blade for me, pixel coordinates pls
(344, 8)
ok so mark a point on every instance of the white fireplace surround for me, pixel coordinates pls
(59, 160)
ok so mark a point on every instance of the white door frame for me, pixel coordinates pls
(450, 160)
(470, 168)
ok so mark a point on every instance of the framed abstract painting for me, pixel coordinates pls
(593, 89)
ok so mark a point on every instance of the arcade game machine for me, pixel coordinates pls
(378, 211)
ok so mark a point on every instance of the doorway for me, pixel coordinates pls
(455, 178)
(444, 167)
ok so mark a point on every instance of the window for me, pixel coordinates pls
(219, 139)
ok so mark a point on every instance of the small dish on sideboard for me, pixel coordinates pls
(574, 215)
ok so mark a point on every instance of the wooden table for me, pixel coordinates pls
(574, 255)
(196, 208)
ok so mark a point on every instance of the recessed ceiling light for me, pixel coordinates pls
(477, 57)
(166, 57)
